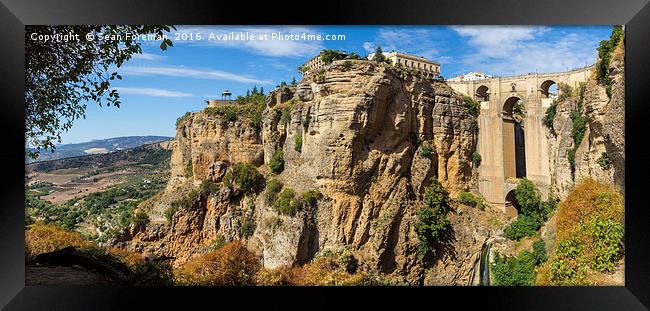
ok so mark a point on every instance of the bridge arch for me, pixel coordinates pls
(511, 203)
(514, 147)
(509, 105)
(482, 93)
(548, 88)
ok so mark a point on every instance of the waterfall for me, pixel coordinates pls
(484, 278)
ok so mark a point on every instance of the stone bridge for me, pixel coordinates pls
(513, 147)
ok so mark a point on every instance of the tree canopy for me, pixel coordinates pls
(62, 76)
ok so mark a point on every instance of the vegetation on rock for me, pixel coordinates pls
(243, 177)
(534, 212)
(605, 50)
(277, 161)
(432, 223)
(590, 235)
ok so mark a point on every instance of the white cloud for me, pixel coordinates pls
(180, 71)
(516, 50)
(270, 47)
(418, 41)
(148, 56)
(369, 47)
(150, 92)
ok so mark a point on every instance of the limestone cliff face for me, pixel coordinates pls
(363, 125)
(601, 154)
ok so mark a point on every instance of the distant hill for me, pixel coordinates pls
(96, 147)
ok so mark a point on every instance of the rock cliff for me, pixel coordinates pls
(601, 152)
(362, 127)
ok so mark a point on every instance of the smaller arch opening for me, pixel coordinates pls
(511, 203)
(483, 93)
(549, 89)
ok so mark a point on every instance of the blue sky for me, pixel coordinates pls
(159, 86)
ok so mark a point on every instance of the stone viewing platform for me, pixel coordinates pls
(212, 103)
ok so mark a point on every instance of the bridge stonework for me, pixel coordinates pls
(505, 156)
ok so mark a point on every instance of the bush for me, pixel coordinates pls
(426, 150)
(514, 271)
(218, 242)
(476, 159)
(347, 65)
(604, 161)
(287, 202)
(140, 219)
(248, 107)
(273, 187)
(247, 228)
(182, 118)
(605, 50)
(277, 161)
(44, 238)
(208, 187)
(528, 197)
(549, 115)
(522, 227)
(244, 177)
(310, 197)
(473, 107)
(590, 234)
(298, 141)
(539, 252)
(329, 55)
(432, 223)
(169, 213)
(231, 265)
(470, 199)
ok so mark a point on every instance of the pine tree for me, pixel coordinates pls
(293, 82)
(248, 92)
(262, 90)
(379, 55)
(255, 89)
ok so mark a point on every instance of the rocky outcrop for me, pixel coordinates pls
(601, 153)
(362, 126)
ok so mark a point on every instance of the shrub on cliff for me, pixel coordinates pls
(549, 115)
(287, 202)
(230, 265)
(590, 235)
(169, 213)
(273, 187)
(140, 220)
(298, 141)
(310, 197)
(473, 107)
(476, 159)
(432, 223)
(605, 50)
(470, 199)
(244, 177)
(522, 227)
(277, 161)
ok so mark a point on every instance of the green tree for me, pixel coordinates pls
(432, 221)
(293, 81)
(61, 77)
(379, 55)
(528, 197)
(277, 161)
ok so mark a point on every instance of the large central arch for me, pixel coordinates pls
(514, 148)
